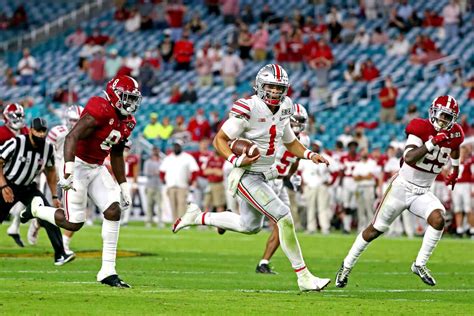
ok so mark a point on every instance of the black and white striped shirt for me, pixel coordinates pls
(23, 162)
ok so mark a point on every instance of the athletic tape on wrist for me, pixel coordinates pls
(232, 158)
(308, 154)
(69, 167)
(455, 162)
(429, 145)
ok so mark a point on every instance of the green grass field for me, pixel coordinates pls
(200, 272)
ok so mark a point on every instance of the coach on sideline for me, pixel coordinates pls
(22, 159)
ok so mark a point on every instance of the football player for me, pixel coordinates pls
(286, 164)
(104, 128)
(462, 193)
(429, 146)
(14, 117)
(56, 136)
(264, 119)
(348, 185)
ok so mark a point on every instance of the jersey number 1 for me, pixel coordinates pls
(271, 145)
(112, 139)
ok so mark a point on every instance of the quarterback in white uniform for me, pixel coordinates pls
(430, 144)
(286, 164)
(56, 136)
(264, 119)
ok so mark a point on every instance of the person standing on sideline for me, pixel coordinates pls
(151, 170)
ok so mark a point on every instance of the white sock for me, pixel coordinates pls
(14, 227)
(110, 235)
(66, 241)
(263, 261)
(225, 220)
(357, 248)
(46, 213)
(471, 231)
(430, 240)
(347, 222)
(289, 243)
(459, 230)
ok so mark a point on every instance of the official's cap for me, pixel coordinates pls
(39, 124)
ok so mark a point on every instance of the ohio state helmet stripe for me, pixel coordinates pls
(246, 107)
(239, 112)
(277, 71)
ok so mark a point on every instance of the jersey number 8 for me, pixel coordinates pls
(112, 139)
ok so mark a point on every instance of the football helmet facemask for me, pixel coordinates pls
(124, 94)
(299, 119)
(271, 84)
(444, 112)
(14, 116)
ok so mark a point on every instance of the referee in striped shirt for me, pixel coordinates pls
(22, 159)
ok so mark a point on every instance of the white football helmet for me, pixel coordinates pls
(271, 84)
(72, 115)
(299, 119)
(14, 116)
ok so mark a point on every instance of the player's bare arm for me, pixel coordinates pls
(299, 150)
(221, 143)
(7, 192)
(455, 162)
(117, 162)
(81, 130)
(52, 179)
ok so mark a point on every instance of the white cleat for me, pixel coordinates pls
(33, 231)
(309, 282)
(188, 219)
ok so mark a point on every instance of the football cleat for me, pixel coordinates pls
(309, 282)
(188, 219)
(17, 239)
(342, 276)
(114, 281)
(424, 273)
(264, 268)
(33, 231)
(221, 231)
(64, 259)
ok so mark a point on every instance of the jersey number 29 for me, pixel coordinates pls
(434, 161)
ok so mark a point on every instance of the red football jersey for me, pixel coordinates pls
(6, 133)
(465, 171)
(131, 161)
(215, 161)
(110, 130)
(201, 159)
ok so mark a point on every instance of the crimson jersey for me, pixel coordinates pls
(424, 171)
(6, 133)
(465, 171)
(110, 130)
(131, 161)
(201, 158)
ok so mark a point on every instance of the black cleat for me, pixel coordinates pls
(26, 214)
(264, 268)
(221, 231)
(17, 239)
(342, 276)
(115, 281)
(64, 259)
(424, 273)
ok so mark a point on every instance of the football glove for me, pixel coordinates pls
(439, 138)
(66, 183)
(125, 197)
(452, 179)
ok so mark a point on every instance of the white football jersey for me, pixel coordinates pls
(251, 118)
(57, 136)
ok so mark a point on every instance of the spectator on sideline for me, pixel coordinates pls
(204, 65)
(399, 47)
(97, 38)
(230, 10)
(260, 42)
(165, 49)
(196, 25)
(412, 113)
(199, 126)
(424, 50)
(27, 68)
(280, 49)
(151, 171)
(368, 71)
(443, 79)
(394, 20)
(178, 172)
(152, 56)
(183, 52)
(351, 74)
(244, 41)
(335, 29)
(78, 38)
(360, 138)
(113, 62)
(405, 10)
(232, 65)
(147, 78)
(152, 129)
(362, 38)
(296, 51)
(121, 13)
(431, 19)
(388, 100)
(133, 62)
(189, 95)
(214, 172)
(175, 15)
(97, 68)
(133, 22)
(451, 16)
(379, 37)
(175, 95)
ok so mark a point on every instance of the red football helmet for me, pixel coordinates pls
(14, 116)
(124, 94)
(444, 112)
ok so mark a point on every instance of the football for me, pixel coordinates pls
(241, 145)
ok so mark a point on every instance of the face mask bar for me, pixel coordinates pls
(130, 101)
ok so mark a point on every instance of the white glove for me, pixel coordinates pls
(295, 180)
(66, 183)
(271, 173)
(125, 197)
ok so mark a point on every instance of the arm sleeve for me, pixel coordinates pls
(7, 149)
(288, 134)
(234, 126)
